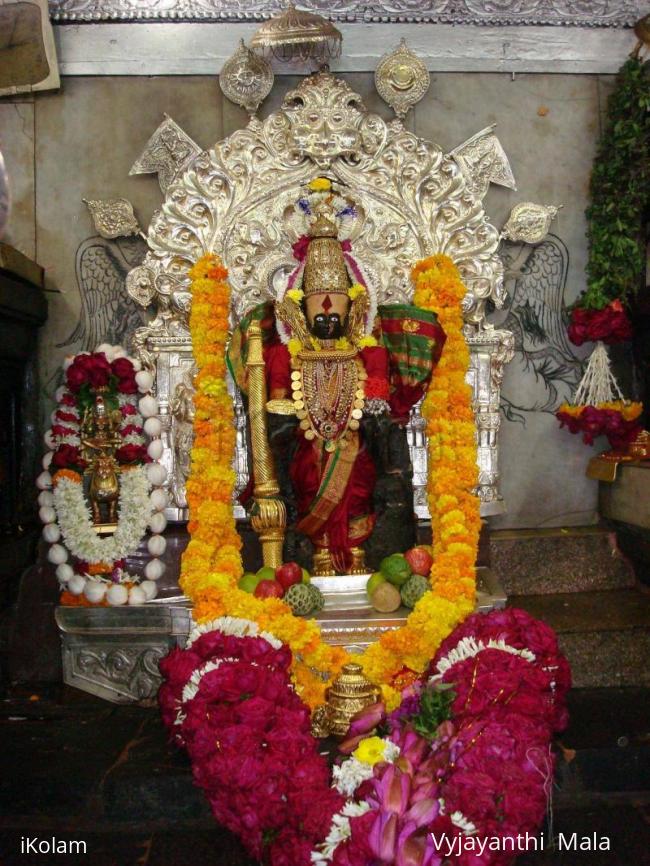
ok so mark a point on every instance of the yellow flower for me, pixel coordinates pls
(370, 751)
(342, 343)
(355, 291)
(320, 184)
(294, 346)
(295, 295)
(365, 342)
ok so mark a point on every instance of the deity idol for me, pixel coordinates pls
(340, 365)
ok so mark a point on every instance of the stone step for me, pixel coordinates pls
(605, 635)
(79, 768)
(547, 561)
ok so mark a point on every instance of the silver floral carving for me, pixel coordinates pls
(529, 222)
(601, 13)
(167, 153)
(483, 161)
(113, 217)
(246, 78)
(402, 79)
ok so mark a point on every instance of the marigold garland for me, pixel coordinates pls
(211, 564)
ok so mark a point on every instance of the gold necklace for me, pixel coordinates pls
(328, 395)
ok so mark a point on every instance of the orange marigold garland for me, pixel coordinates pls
(447, 408)
(212, 563)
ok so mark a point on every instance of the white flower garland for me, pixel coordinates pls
(339, 831)
(235, 627)
(469, 647)
(75, 522)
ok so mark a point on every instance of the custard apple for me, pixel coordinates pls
(318, 600)
(299, 597)
(413, 590)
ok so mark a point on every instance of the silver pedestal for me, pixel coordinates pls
(113, 652)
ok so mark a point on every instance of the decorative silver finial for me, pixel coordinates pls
(529, 222)
(246, 78)
(401, 79)
(113, 217)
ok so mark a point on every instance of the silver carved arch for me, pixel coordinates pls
(237, 200)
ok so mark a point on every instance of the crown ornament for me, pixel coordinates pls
(325, 268)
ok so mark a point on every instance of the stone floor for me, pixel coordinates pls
(76, 768)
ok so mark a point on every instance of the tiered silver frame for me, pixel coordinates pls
(237, 199)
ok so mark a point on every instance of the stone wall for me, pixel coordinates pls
(80, 143)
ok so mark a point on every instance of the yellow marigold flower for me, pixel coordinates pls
(294, 346)
(342, 343)
(370, 751)
(355, 290)
(296, 295)
(366, 342)
(320, 184)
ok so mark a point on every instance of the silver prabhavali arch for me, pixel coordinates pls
(237, 199)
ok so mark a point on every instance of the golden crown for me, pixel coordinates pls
(325, 269)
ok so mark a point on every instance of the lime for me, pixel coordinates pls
(306, 577)
(248, 582)
(265, 573)
(373, 582)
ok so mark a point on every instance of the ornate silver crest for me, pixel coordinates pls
(483, 161)
(113, 217)
(401, 79)
(246, 79)
(167, 153)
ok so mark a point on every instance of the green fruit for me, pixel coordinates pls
(300, 599)
(414, 589)
(266, 573)
(395, 569)
(306, 577)
(386, 598)
(248, 582)
(317, 597)
(373, 582)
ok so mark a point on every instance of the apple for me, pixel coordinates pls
(419, 559)
(268, 589)
(288, 573)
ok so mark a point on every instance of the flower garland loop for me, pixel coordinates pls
(211, 564)
(461, 768)
(96, 573)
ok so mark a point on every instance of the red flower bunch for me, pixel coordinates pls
(67, 456)
(609, 325)
(483, 774)
(132, 454)
(230, 702)
(124, 372)
(594, 421)
(517, 630)
(93, 370)
(96, 371)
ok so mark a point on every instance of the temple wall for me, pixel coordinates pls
(81, 142)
